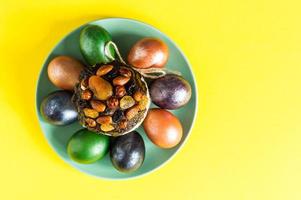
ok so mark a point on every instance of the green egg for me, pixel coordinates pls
(93, 40)
(87, 147)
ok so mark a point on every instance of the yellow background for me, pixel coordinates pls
(245, 145)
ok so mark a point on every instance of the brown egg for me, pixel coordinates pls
(163, 128)
(148, 52)
(64, 71)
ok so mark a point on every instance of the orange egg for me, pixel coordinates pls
(148, 52)
(64, 71)
(163, 128)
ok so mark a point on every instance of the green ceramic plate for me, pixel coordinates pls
(125, 33)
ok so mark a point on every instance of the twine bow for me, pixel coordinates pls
(152, 73)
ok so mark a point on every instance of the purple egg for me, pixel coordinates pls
(170, 92)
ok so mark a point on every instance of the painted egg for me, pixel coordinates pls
(58, 109)
(163, 128)
(148, 52)
(64, 71)
(127, 152)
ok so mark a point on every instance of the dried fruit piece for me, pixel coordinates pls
(98, 105)
(109, 111)
(125, 72)
(120, 80)
(104, 120)
(90, 122)
(143, 103)
(84, 84)
(112, 74)
(101, 88)
(86, 94)
(138, 95)
(132, 112)
(120, 91)
(106, 127)
(112, 102)
(131, 87)
(103, 70)
(90, 112)
(117, 116)
(127, 102)
(123, 124)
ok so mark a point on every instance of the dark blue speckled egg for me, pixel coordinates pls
(58, 109)
(127, 152)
